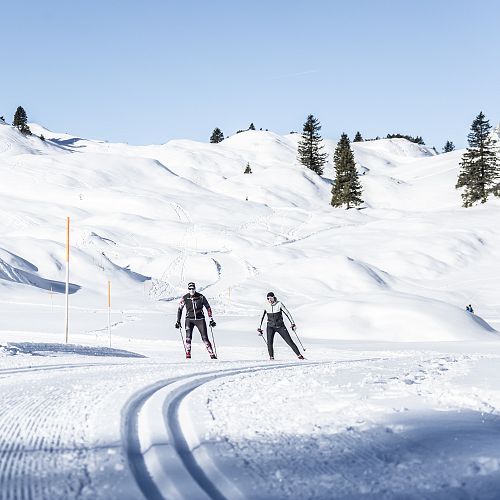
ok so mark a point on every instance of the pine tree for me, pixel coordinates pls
(252, 127)
(248, 170)
(448, 147)
(309, 149)
(346, 189)
(479, 166)
(217, 136)
(357, 137)
(21, 121)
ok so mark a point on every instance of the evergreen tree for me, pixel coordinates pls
(346, 189)
(448, 147)
(479, 166)
(357, 137)
(248, 170)
(21, 121)
(252, 127)
(217, 136)
(309, 150)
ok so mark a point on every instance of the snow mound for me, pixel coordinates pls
(10, 273)
(13, 143)
(395, 318)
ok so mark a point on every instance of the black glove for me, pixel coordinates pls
(178, 324)
(294, 327)
(212, 322)
(260, 331)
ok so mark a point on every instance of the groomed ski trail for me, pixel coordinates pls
(167, 460)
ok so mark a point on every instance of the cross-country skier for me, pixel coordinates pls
(194, 303)
(274, 310)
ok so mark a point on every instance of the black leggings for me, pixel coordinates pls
(202, 327)
(271, 330)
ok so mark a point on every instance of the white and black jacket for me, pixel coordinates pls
(275, 314)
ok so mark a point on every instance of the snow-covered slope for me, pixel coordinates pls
(152, 218)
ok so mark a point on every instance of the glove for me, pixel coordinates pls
(212, 322)
(177, 324)
(260, 331)
(294, 327)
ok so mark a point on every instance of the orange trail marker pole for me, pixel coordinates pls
(109, 312)
(66, 321)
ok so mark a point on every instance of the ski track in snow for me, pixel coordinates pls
(151, 442)
(48, 447)
(351, 428)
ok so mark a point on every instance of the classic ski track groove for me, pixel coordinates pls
(173, 432)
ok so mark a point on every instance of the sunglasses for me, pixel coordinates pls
(270, 298)
(191, 288)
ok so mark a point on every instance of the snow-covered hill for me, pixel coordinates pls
(152, 218)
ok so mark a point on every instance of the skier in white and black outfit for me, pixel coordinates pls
(194, 303)
(274, 310)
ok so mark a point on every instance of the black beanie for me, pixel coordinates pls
(270, 294)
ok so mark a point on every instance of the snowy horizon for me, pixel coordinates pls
(397, 396)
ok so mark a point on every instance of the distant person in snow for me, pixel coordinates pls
(469, 309)
(274, 310)
(194, 303)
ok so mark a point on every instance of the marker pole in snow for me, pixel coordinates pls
(303, 348)
(66, 320)
(109, 312)
(213, 341)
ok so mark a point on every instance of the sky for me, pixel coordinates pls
(151, 71)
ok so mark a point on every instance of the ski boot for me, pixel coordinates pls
(271, 358)
(213, 356)
(300, 356)
(188, 355)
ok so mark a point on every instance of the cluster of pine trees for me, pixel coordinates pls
(479, 168)
(346, 189)
(478, 176)
(416, 140)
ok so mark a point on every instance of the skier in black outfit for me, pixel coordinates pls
(194, 303)
(274, 310)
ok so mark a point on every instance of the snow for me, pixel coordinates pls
(398, 395)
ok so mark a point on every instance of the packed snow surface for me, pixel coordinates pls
(398, 395)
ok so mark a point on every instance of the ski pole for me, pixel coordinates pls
(303, 348)
(182, 337)
(261, 335)
(213, 341)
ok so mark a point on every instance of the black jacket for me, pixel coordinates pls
(194, 306)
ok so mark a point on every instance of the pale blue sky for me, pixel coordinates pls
(150, 71)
